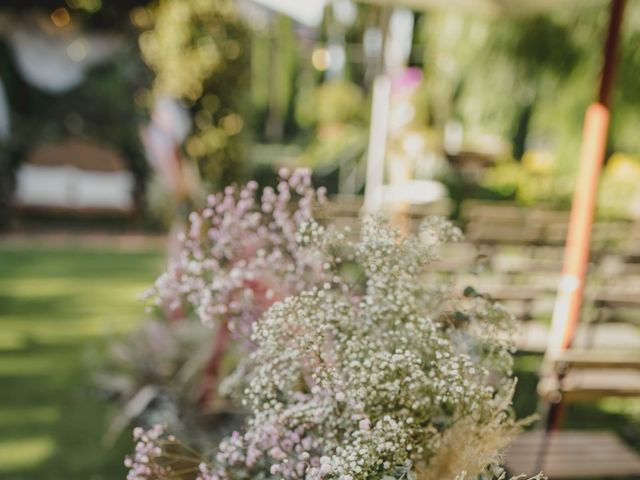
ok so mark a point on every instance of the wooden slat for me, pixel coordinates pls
(614, 299)
(592, 384)
(518, 224)
(584, 385)
(608, 337)
(595, 359)
(532, 337)
(573, 454)
(515, 292)
(486, 232)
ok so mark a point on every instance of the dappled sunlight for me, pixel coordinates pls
(25, 453)
(56, 306)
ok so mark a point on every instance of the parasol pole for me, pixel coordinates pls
(566, 311)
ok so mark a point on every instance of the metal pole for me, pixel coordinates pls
(566, 312)
(377, 149)
(378, 125)
(596, 127)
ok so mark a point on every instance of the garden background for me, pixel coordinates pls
(118, 117)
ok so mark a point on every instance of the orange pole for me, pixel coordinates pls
(566, 313)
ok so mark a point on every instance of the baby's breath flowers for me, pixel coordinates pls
(161, 456)
(374, 374)
(240, 255)
(236, 258)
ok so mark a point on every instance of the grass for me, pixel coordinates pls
(57, 308)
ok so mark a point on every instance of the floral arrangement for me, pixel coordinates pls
(372, 374)
(238, 256)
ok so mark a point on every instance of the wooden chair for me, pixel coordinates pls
(573, 455)
(577, 376)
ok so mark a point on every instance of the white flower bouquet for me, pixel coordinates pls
(375, 374)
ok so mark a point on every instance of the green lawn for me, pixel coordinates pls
(57, 308)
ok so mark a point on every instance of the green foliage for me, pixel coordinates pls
(535, 181)
(619, 193)
(531, 79)
(101, 109)
(332, 102)
(529, 182)
(198, 50)
(5, 183)
(334, 146)
(483, 72)
(537, 45)
(337, 111)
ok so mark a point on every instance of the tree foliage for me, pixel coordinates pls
(198, 51)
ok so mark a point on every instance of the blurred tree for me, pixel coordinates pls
(332, 102)
(530, 79)
(337, 111)
(490, 74)
(198, 50)
(542, 51)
